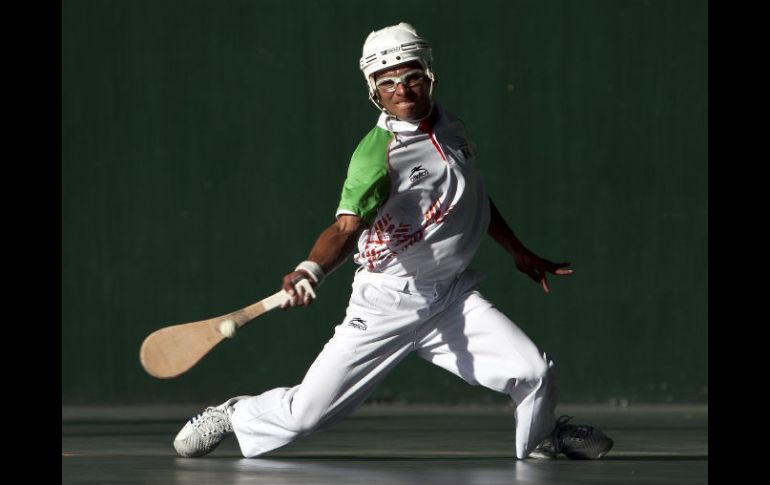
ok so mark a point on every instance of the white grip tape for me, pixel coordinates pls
(314, 269)
(304, 288)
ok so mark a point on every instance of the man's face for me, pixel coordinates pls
(410, 99)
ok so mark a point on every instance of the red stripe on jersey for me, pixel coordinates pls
(427, 127)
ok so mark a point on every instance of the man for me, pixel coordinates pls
(415, 207)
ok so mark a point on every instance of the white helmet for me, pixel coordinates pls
(390, 47)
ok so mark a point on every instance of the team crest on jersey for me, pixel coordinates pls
(418, 173)
(358, 323)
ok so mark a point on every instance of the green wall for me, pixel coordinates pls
(204, 145)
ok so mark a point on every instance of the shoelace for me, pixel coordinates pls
(210, 422)
(560, 422)
(580, 432)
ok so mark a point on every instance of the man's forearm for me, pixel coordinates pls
(501, 232)
(335, 244)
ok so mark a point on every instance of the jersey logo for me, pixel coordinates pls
(418, 173)
(358, 323)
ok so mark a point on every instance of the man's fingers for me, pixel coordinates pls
(544, 282)
(290, 287)
(561, 269)
(288, 284)
(299, 288)
(305, 289)
(290, 303)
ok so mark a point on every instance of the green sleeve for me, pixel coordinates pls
(367, 185)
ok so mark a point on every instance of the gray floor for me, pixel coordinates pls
(389, 445)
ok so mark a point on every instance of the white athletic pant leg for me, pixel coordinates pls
(377, 333)
(475, 341)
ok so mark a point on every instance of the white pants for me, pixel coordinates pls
(447, 323)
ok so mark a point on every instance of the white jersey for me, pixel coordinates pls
(417, 187)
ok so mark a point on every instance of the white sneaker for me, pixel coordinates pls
(204, 432)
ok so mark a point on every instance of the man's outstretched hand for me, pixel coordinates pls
(536, 267)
